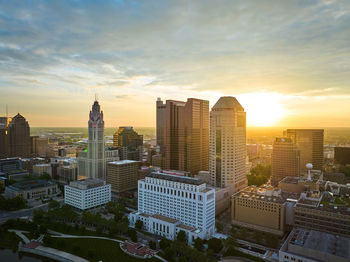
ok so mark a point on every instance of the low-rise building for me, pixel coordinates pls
(261, 208)
(87, 193)
(314, 246)
(32, 189)
(122, 175)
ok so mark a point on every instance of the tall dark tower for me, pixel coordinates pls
(18, 135)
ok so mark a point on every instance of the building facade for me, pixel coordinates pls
(310, 144)
(227, 161)
(32, 189)
(88, 193)
(122, 175)
(39, 146)
(170, 203)
(4, 122)
(183, 134)
(285, 160)
(260, 208)
(129, 142)
(18, 135)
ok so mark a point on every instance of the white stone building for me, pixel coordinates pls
(88, 193)
(170, 203)
(227, 144)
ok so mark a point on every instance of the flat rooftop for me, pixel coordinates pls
(164, 218)
(87, 183)
(321, 242)
(174, 178)
(268, 194)
(31, 184)
(122, 162)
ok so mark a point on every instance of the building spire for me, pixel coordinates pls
(96, 97)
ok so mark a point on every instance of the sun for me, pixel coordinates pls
(263, 109)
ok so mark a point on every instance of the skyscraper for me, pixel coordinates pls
(227, 153)
(129, 142)
(4, 121)
(96, 143)
(183, 134)
(310, 144)
(285, 159)
(18, 137)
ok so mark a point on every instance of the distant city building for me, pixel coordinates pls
(4, 122)
(227, 161)
(88, 193)
(39, 146)
(285, 160)
(342, 155)
(18, 134)
(28, 163)
(66, 174)
(183, 134)
(129, 142)
(32, 189)
(311, 246)
(41, 169)
(12, 169)
(310, 144)
(168, 204)
(122, 175)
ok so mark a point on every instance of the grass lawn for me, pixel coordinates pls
(95, 249)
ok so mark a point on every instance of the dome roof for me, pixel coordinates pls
(227, 103)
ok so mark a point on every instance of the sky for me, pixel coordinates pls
(287, 62)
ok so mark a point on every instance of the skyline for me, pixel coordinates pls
(276, 58)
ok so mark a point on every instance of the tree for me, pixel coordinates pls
(47, 239)
(164, 243)
(181, 236)
(198, 244)
(139, 224)
(215, 244)
(110, 206)
(132, 234)
(53, 204)
(152, 245)
(230, 242)
(219, 227)
(243, 233)
(169, 253)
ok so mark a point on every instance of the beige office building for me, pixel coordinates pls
(285, 160)
(260, 208)
(310, 144)
(227, 160)
(183, 134)
(122, 175)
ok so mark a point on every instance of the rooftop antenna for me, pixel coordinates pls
(7, 111)
(96, 97)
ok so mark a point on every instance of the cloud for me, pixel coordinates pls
(174, 48)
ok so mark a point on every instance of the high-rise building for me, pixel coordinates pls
(168, 204)
(227, 160)
(18, 135)
(39, 145)
(96, 143)
(285, 160)
(342, 155)
(310, 144)
(122, 175)
(92, 161)
(129, 142)
(161, 124)
(4, 122)
(183, 134)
